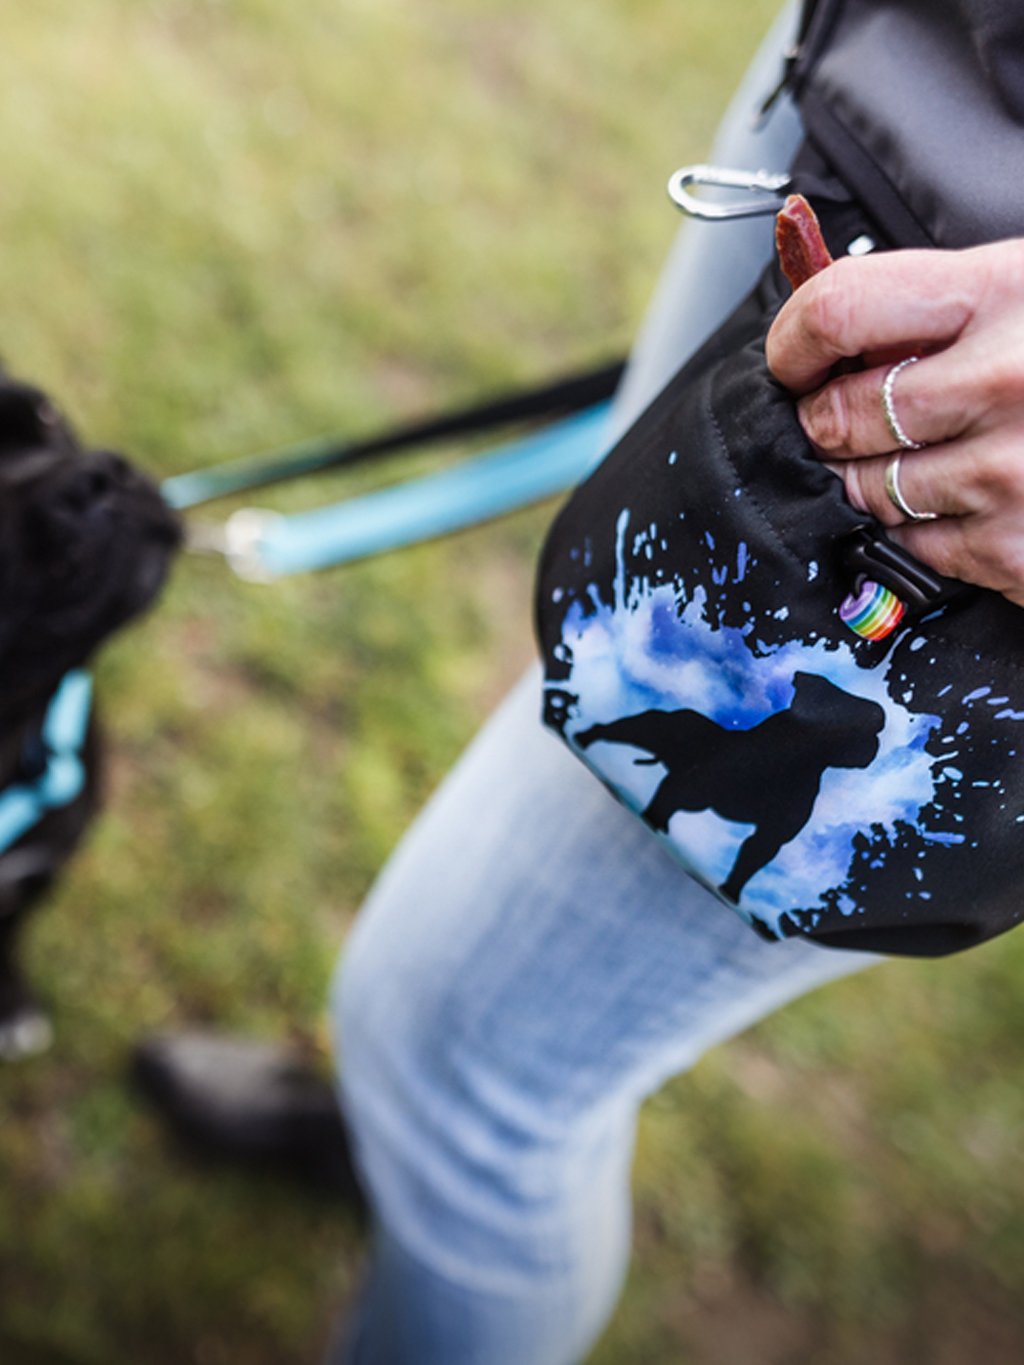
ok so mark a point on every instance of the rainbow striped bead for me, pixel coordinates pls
(872, 612)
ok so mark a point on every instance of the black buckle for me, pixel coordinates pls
(866, 553)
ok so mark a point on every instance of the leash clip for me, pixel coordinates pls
(244, 533)
(205, 538)
(239, 540)
(759, 184)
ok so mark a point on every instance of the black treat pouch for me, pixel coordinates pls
(864, 793)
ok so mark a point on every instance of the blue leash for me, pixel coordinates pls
(542, 403)
(264, 545)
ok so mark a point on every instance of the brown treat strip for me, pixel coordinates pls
(798, 240)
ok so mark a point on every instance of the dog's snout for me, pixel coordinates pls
(80, 492)
(92, 484)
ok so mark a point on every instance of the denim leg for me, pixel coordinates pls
(529, 966)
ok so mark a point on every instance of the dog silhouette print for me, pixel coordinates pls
(767, 776)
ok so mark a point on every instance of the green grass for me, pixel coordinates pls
(231, 225)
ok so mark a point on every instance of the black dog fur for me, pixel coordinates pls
(85, 545)
(768, 776)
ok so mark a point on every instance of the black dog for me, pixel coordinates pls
(85, 544)
(768, 776)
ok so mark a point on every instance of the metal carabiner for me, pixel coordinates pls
(767, 182)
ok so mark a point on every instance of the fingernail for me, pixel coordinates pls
(803, 412)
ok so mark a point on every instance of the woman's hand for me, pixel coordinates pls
(962, 312)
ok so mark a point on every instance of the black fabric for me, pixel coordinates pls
(920, 105)
(858, 793)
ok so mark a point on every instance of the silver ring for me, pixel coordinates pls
(889, 407)
(892, 487)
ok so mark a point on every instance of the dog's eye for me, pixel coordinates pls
(47, 413)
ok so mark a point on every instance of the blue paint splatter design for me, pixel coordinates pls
(651, 648)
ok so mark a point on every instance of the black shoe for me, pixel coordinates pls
(247, 1102)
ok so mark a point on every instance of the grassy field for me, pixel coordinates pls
(229, 224)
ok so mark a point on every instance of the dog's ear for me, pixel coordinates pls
(29, 420)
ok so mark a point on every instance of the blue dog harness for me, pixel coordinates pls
(61, 777)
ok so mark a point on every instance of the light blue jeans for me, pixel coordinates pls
(532, 964)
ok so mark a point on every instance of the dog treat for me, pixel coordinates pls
(798, 240)
(872, 610)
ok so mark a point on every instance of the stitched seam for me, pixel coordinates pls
(742, 483)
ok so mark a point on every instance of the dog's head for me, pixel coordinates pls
(85, 544)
